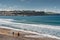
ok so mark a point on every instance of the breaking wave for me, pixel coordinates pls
(40, 29)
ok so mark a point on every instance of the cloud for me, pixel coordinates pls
(4, 7)
(15, 7)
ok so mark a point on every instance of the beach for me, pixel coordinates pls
(7, 34)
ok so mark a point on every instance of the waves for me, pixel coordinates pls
(38, 34)
(40, 29)
(10, 21)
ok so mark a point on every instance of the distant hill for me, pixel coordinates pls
(26, 13)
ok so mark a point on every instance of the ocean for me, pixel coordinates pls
(48, 26)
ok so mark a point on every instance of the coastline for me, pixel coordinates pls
(22, 35)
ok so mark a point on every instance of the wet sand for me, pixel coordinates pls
(7, 34)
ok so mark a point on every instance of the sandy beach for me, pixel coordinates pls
(7, 34)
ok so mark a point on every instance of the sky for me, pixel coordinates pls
(38, 5)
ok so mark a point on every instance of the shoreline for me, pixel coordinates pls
(24, 34)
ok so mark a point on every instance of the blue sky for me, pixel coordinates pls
(43, 5)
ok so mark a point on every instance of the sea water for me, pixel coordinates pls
(48, 25)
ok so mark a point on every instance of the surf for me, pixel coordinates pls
(32, 28)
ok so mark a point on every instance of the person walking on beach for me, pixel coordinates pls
(13, 33)
(18, 34)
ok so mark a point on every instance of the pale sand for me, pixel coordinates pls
(7, 34)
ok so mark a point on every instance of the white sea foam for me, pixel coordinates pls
(27, 26)
(35, 36)
(8, 21)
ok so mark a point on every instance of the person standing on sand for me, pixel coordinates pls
(13, 33)
(18, 34)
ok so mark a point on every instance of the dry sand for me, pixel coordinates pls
(7, 34)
